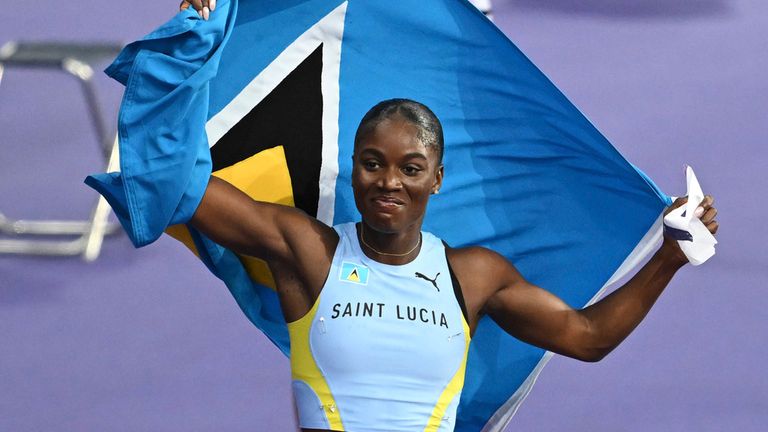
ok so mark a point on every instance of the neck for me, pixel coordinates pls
(390, 248)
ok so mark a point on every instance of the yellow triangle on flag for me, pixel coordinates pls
(353, 276)
(264, 177)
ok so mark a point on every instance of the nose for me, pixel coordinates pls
(390, 179)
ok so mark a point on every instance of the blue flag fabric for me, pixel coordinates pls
(165, 106)
(527, 175)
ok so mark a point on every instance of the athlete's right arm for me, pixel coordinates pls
(269, 231)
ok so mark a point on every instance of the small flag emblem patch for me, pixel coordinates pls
(354, 273)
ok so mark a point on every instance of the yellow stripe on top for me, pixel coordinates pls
(304, 368)
(454, 387)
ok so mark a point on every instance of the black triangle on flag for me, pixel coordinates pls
(289, 116)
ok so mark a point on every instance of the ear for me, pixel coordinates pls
(438, 179)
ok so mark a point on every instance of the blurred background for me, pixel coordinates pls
(149, 340)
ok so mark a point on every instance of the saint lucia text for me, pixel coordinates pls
(381, 310)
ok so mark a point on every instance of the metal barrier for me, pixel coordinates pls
(77, 60)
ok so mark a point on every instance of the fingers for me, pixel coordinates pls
(706, 212)
(206, 9)
(709, 215)
(704, 206)
(680, 201)
(195, 4)
(203, 7)
(712, 227)
(675, 204)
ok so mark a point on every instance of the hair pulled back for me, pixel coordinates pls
(430, 131)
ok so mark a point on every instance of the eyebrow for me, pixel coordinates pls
(380, 154)
(416, 155)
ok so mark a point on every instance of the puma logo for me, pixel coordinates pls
(432, 281)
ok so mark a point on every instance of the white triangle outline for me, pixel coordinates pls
(328, 32)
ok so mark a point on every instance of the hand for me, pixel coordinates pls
(706, 212)
(203, 7)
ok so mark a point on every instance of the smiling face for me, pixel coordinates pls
(393, 175)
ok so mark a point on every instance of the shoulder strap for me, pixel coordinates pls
(456, 285)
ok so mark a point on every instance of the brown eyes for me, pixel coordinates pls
(409, 170)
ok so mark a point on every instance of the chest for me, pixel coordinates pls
(375, 323)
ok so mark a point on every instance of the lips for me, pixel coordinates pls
(387, 203)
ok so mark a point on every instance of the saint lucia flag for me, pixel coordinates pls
(275, 90)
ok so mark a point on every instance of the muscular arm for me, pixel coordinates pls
(269, 231)
(540, 318)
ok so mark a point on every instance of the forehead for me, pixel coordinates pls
(394, 136)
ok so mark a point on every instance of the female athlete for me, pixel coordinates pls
(380, 314)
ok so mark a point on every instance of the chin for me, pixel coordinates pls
(381, 224)
(388, 223)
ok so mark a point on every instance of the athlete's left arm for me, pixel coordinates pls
(542, 319)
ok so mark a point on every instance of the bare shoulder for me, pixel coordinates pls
(303, 228)
(481, 272)
(311, 244)
(477, 259)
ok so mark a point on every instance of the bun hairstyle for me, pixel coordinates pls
(430, 130)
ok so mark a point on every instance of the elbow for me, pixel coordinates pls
(585, 353)
(592, 347)
(591, 343)
(593, 355)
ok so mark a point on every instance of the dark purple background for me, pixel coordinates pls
(149, 340)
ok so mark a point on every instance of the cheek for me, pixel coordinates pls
(355, 176)
(420, 191)
(361, 183)
(359, 179)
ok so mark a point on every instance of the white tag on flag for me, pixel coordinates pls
(699, 245)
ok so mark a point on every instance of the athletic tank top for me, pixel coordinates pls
(384, 347)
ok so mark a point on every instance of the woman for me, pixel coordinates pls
(380, 314)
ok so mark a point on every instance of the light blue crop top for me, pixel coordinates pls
(384, 347)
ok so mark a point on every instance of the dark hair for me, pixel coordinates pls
(430, 130)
